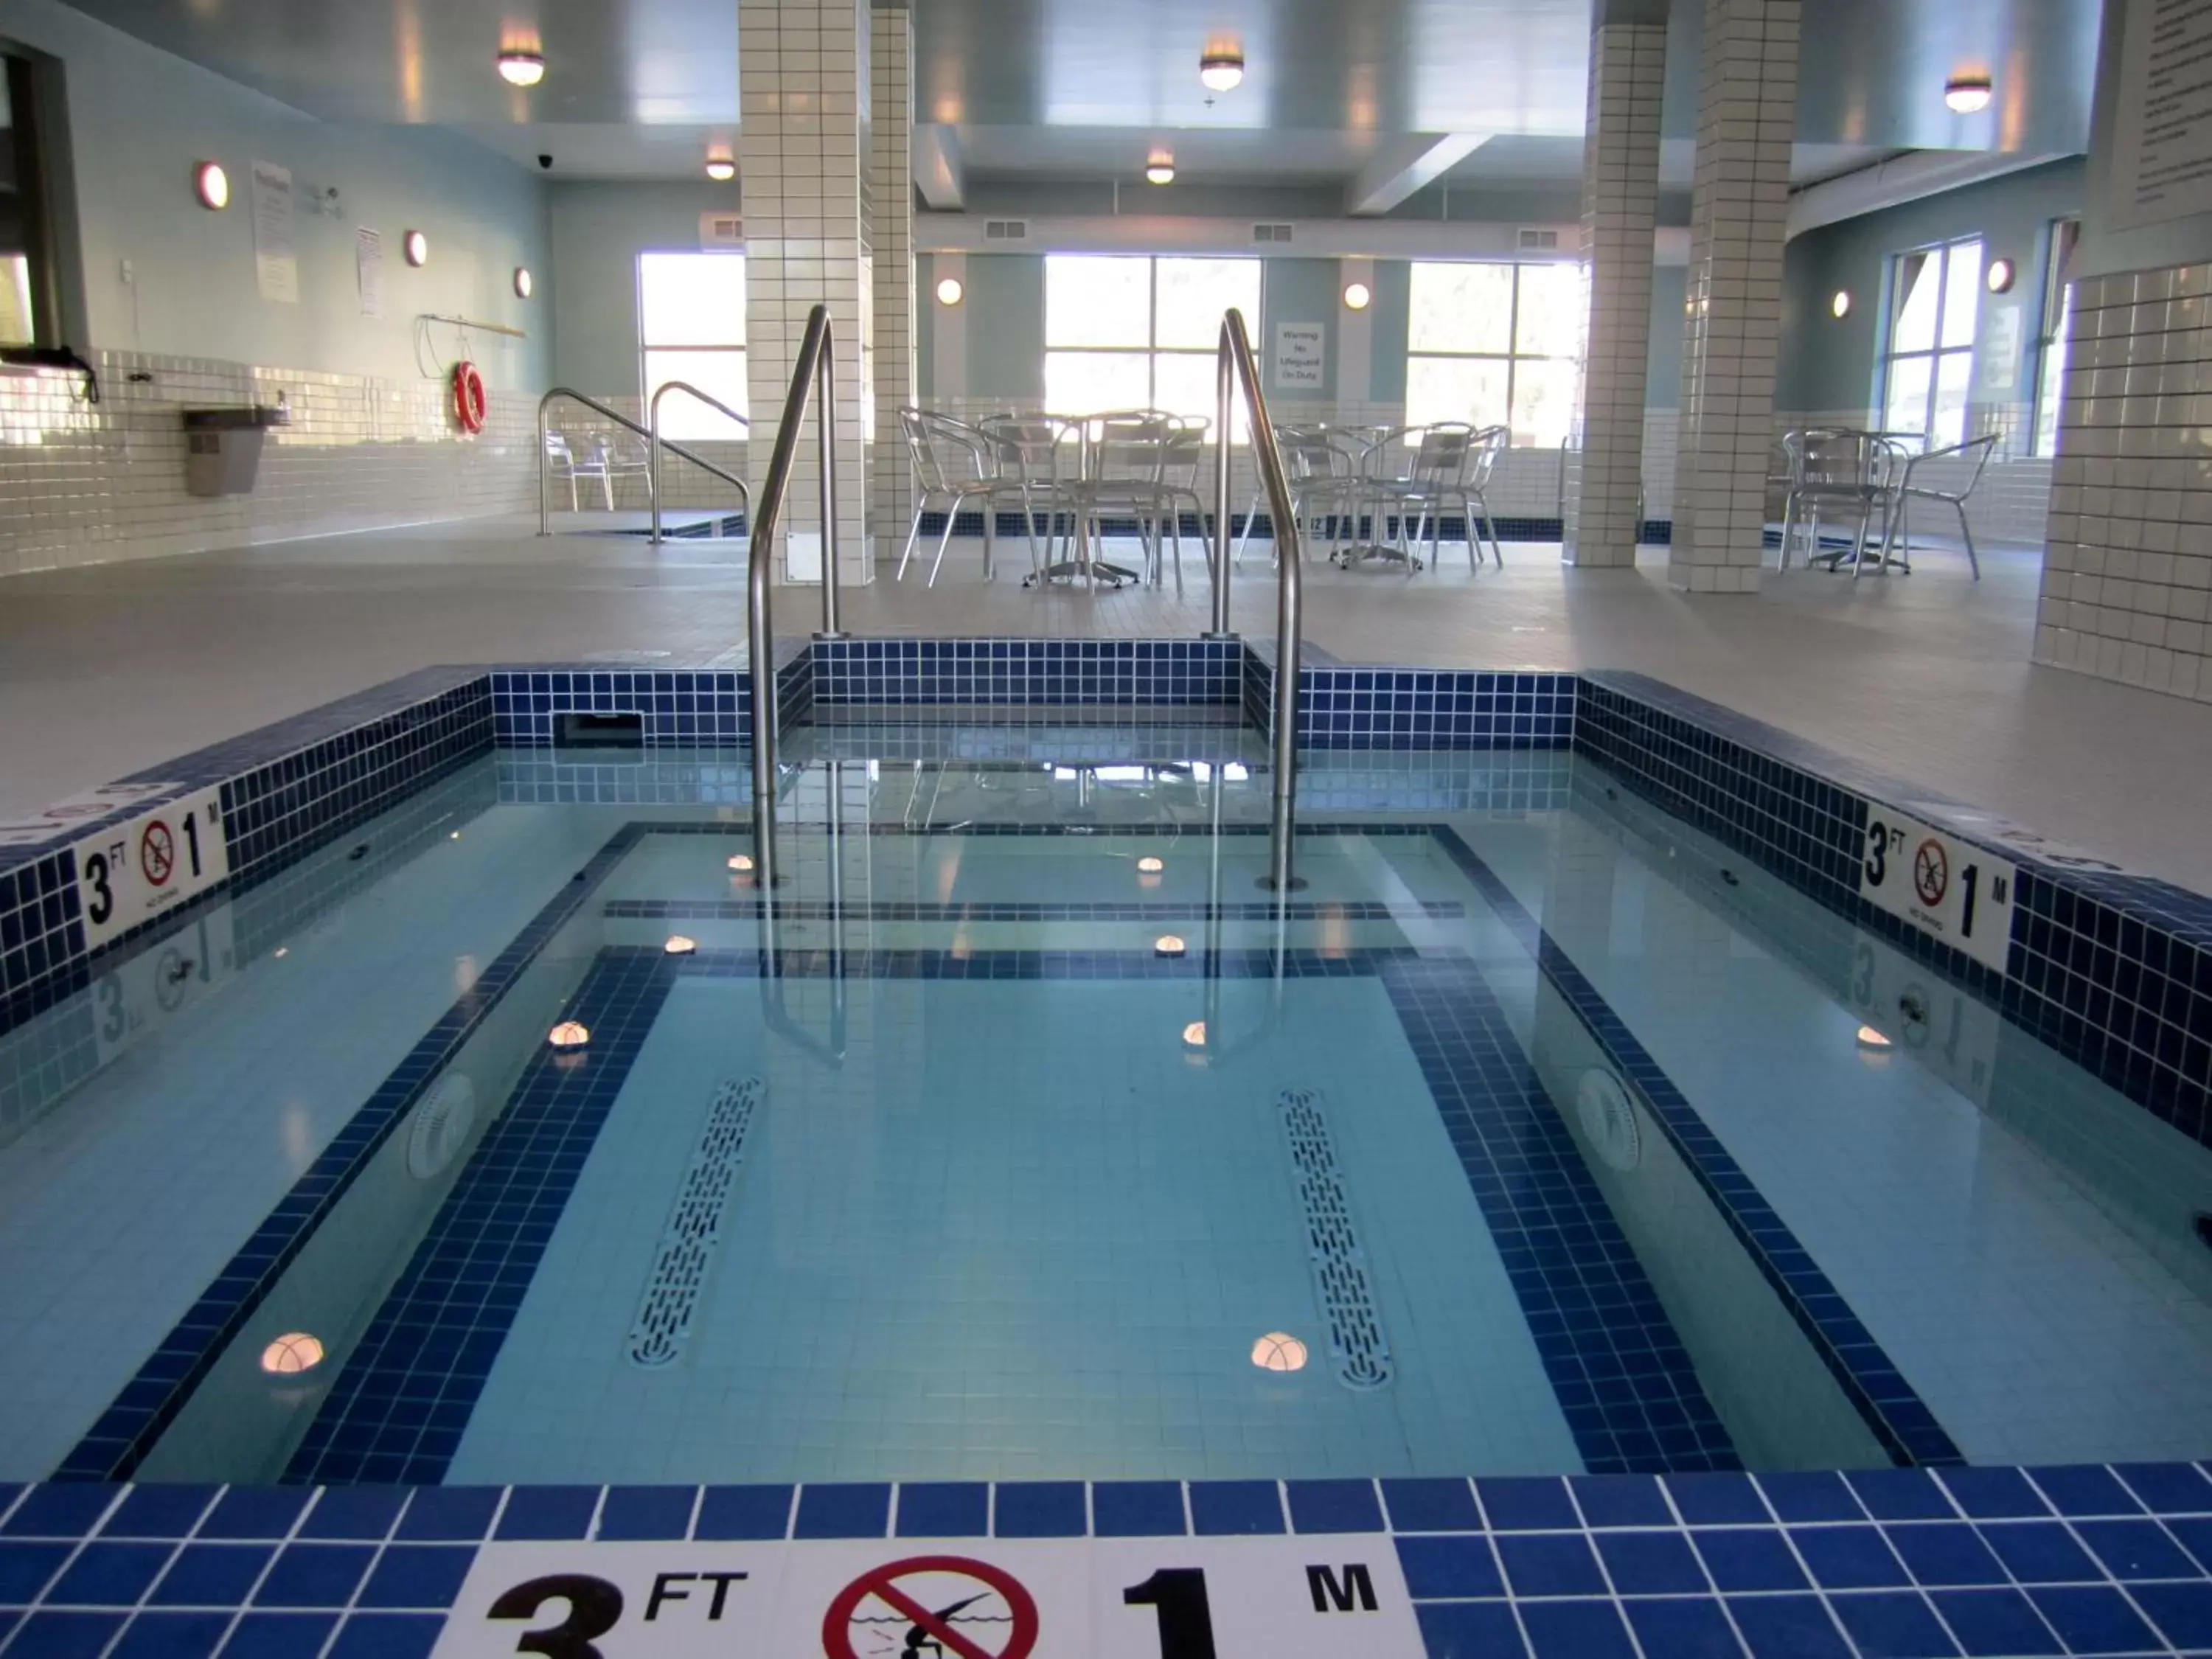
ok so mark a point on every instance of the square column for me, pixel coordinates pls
(890, 161)
(803, 141)
(1739, 218)
(1620, 206)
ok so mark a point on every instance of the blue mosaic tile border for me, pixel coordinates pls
(2111, 970)
(1027, 671)
(1008, 527)
(127, 1429)
(983, 911)
(1887, 1403)
(1343, 707)
(689, 706)
(1869, 1565)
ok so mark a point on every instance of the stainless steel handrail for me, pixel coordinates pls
(815, 370)
(1234, 363)
(545, 512)
(654, 442)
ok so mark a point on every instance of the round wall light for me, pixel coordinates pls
(1968, 95)
(948, 292)
(1194, 1035)
(417, 246)
(1222, 67)
(1160, 169)
(721, 169)
(1278, 1351)
(1168, 945)
(741, 863)
(1840, 306)
(1149, 866)
(292, 1353)
(680, 945)
(1357, 296)
(568, 1033)
(525, 283)
(1999, 276)
(211, 184)
(521, 68)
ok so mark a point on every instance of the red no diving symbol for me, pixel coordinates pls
(1931, 872)
(157, 853)
(920, 1603)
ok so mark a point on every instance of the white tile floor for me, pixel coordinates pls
(107, 669)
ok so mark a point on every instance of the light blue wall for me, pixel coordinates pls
(1830, 364)
(1301, 291)
(597, 232)
(138, 121)
(1006, 326)
(1662, 363)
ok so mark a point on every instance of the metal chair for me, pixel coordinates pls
(951, 462)
(1029, 457)
(1435, 477)
(1181, 468)
(1974, 454)
(602, 460)
(1837, 468)
(1124, 469)
(1490, 446)
(1325, 484)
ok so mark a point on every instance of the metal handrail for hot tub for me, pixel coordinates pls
(1236, 364)
(654, 445)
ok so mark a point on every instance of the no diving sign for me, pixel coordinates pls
(1312, 1596)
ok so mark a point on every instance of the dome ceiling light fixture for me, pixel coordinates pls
(721, 169)
(1221, 67)
(1159, 169)
(1968, 93)
(521, 68)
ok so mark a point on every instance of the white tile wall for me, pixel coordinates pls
(1620, 199)
(803, 139)
(2127, 573)
(890, 159)
(1747, 122)
(83, 484)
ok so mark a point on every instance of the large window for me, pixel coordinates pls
(1934, 299)
(1496, 344)
(29, 292)
(2058, 323)
(691, 326)
(1134, 333)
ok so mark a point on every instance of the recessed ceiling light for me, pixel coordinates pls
(291, 1354)
(721, 169)
(1999, 276)
(521, 68)
(417, 246)
(1356, 296)
(1160, 169)
(1222, 67)
(523, 283)
(1968, 95)
(212, 186)
(1841, 304)
(949, 291)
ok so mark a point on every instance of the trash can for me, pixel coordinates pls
(222, 447)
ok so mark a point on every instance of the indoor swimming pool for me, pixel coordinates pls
(1023, 1134)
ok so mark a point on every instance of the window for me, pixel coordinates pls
(1934, 299)
(691, 326)
(29, 289)
(2057, 319)
(1137, 333)
(1496, 344)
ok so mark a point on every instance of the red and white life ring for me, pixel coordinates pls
(469, 397)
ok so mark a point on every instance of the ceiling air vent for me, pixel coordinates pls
(722, 230)
(1006, 230)
(1539, 241)
(1270, 233)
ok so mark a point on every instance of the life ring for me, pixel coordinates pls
(468, 397)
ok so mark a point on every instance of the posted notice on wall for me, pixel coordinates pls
(1299, 347)
(2162, 139)
(368, 268)
(276, 257)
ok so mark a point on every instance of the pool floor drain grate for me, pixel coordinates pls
(1356, 1340)
(694, 1226)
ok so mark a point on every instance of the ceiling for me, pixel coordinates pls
(1078, 89)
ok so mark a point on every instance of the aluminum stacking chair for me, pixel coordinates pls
(1974, 456)
(952, 465)
(1031, 461)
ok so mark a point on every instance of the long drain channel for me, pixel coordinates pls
(1356, 1339)
(694, 1226)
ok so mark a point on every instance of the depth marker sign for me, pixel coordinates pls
(1307, 1596)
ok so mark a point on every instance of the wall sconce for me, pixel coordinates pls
(1999, 276)
(211, 184)
(1840, 306)
(525, 284)
(948, 292)
(1357, 296)
(416, 248)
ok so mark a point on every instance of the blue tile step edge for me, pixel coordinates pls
(1982, 1560)
(2111, 969)
(985, 671)
(1347, 705)
(1009, 528)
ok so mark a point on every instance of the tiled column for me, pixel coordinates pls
(1620, 200)
(890, 160)
(803, 97)
(1746, 121)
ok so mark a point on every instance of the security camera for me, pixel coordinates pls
(545, 161)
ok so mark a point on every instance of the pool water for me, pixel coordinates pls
(1024, 1133)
